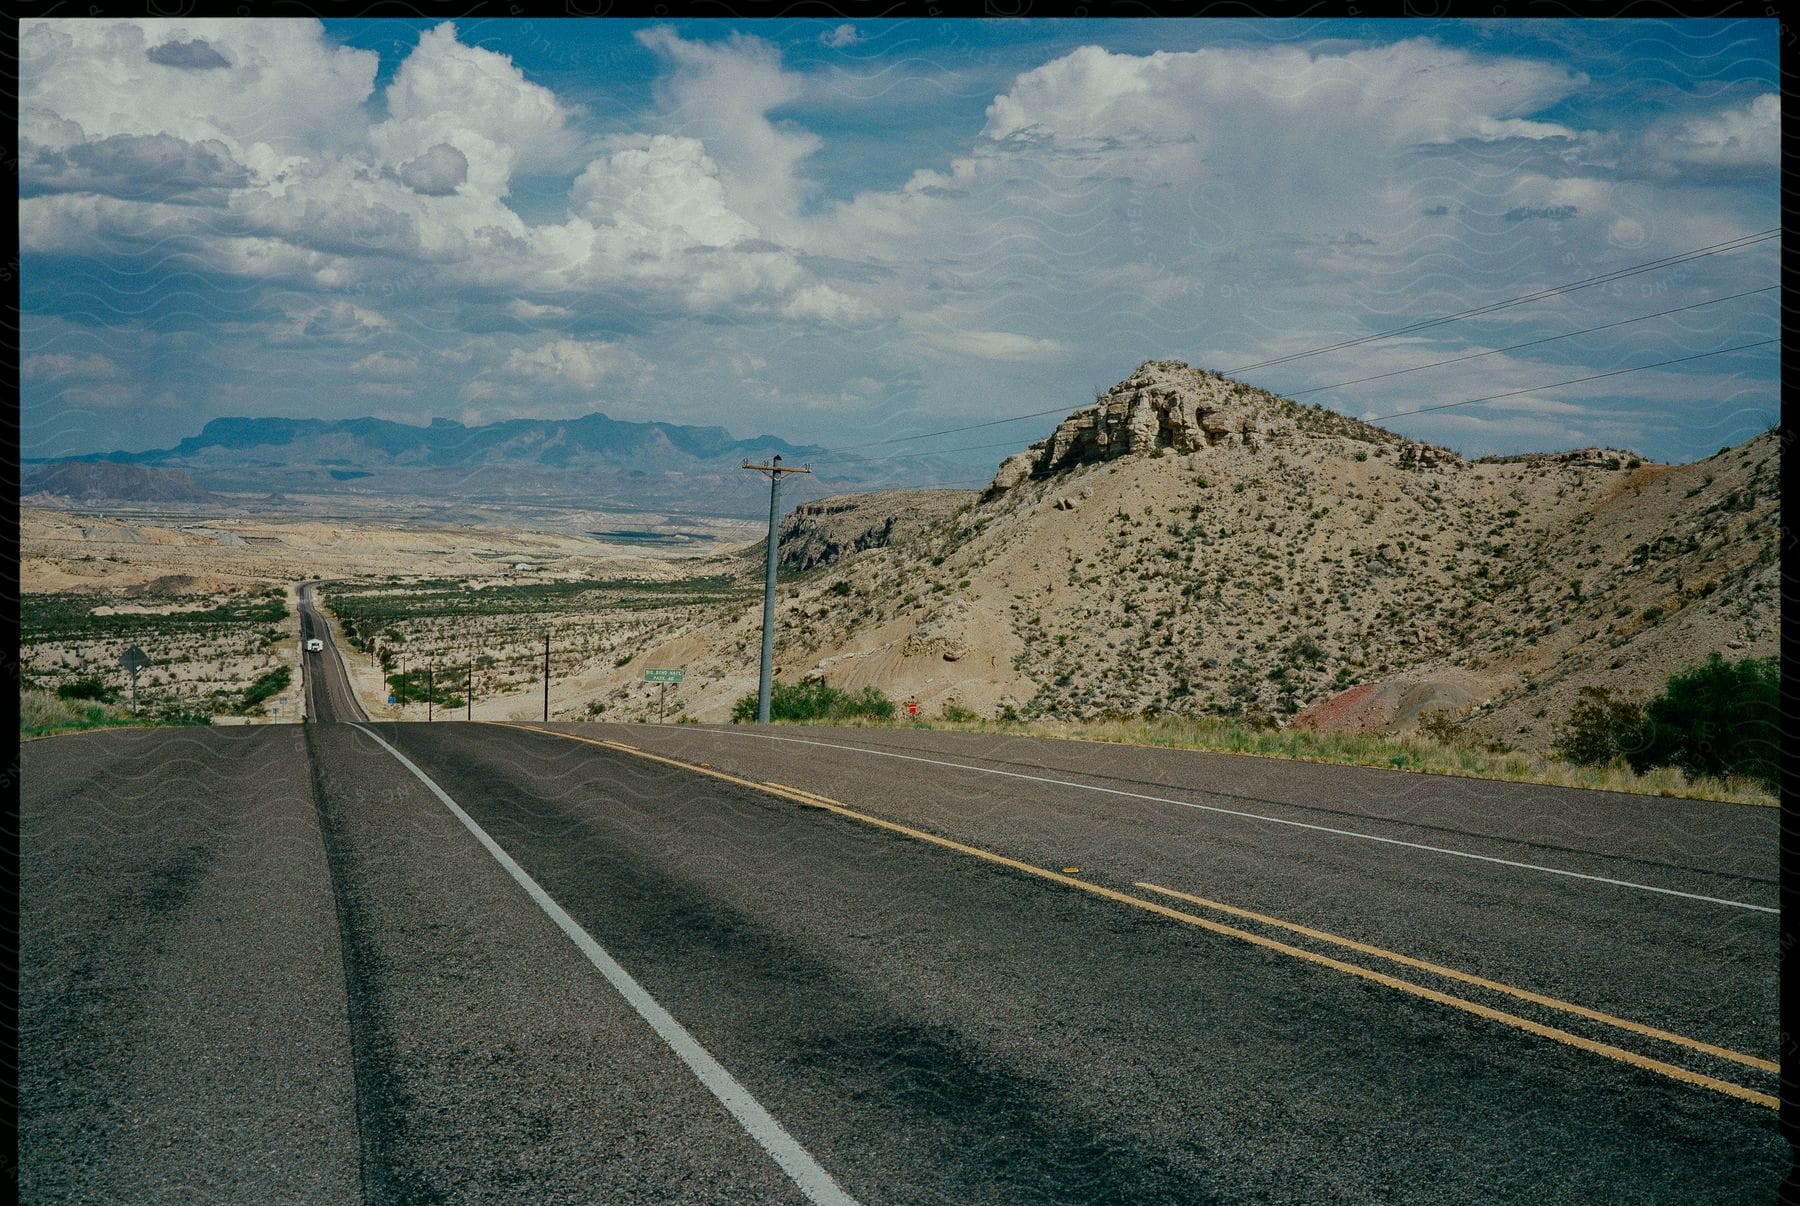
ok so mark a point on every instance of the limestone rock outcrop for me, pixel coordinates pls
(827, 530)
(1164, 404)
(1169, 405)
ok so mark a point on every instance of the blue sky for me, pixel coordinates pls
(847, 232)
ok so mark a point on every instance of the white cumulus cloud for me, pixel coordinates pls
(1745, 137)
(574, 364)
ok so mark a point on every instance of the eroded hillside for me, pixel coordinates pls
(1190, 544)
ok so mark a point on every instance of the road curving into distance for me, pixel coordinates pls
(416, 962)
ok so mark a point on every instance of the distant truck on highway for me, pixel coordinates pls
(315, 645)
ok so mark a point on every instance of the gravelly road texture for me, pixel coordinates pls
(181, 996)
(272, 964)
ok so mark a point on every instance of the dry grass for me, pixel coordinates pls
(41, 713)
(1410, 753)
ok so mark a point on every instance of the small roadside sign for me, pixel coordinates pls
(133, 659)
(664, 678)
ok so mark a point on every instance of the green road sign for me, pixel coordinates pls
(662, 676)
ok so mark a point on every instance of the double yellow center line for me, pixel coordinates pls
(1634, 1059)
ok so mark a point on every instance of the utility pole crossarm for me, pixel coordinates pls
(777, 467)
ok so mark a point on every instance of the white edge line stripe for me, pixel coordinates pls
(812, 1180)
(1254, 816)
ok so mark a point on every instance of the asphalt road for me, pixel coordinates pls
(327, 684)
(278, 964)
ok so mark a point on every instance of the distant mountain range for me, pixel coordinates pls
(593, 460)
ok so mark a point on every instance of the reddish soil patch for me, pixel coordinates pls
(1341, 711)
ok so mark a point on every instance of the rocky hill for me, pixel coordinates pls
(108, 481)
(1191, 544)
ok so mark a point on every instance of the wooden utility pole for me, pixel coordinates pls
(428, 693)
(546, 678)
(764, 680)
(469, 694)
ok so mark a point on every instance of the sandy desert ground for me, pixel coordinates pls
(141, 562)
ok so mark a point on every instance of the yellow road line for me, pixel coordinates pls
(827, 804)
(1666, 1036)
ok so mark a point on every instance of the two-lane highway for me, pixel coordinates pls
(329, 696)
(670, 963)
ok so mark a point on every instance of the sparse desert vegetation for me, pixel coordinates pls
(214, 655)
(813, 702)
(490, 636)
(1204, 563)
(1418, 751)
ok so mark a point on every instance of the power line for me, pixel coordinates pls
(1531, 343)
(1737, 244)
(907, 456)
(1573, 286)
(1036, 414)
(1467, 401)
(1573, 381)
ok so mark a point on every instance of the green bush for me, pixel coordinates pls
(442, 690)
(813, 700)
(1717, 718)
(1600, 728)
(272, 683)
(87, 688)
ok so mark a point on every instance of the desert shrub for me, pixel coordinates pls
(811, 699)
(1600, 728)
(87, 688)
(177, 711)
(959, 714)
(1305, 648)
(1716, 718)
(272, 683)
(1440, 725)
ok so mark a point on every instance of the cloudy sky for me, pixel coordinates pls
(848, 233)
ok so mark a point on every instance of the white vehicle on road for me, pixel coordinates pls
(315, 645)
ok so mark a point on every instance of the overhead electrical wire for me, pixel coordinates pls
(1729, 245)
(1699, 253)
(1624, 322)
(905, 456)
(1036, 414)
(1441, 406)
(1573, 381)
